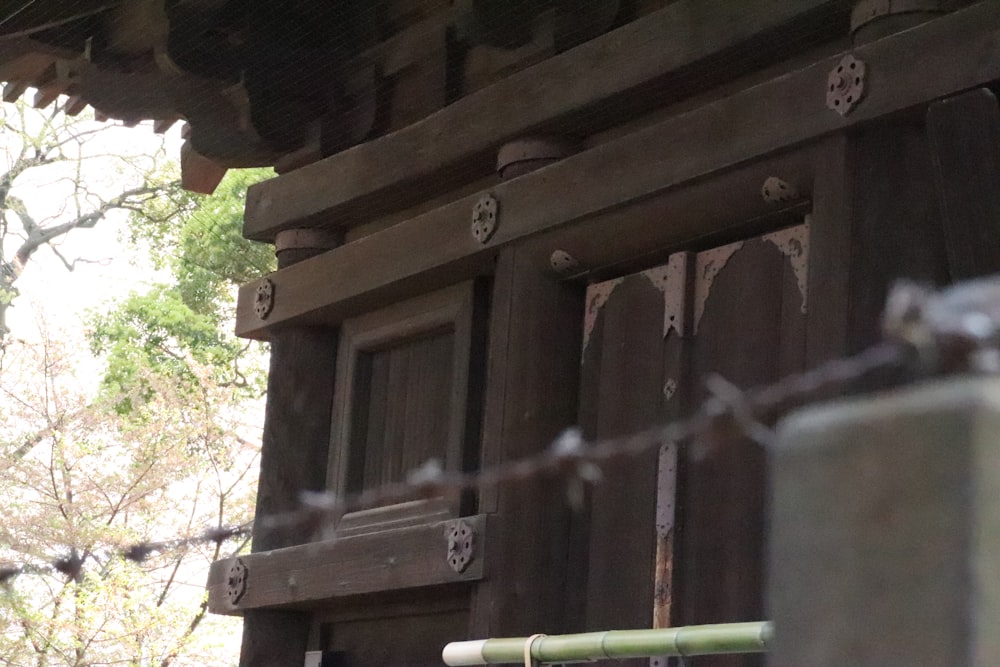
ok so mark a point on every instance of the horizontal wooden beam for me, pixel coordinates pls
(310, 575)
(643, 65)
(957, 52)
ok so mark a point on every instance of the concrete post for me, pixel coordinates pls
(885, 530)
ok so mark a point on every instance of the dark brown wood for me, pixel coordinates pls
(399, 641)
(531, 397)
(403, 384)
(830, 229)
(896, 227)
(964, 133)
(292, 460)
(955, 55)
(627, 345)
(309, 576)
(865, 237)
(432, 155)
(741, 327)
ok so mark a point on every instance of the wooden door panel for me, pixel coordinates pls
(626, 345)
(736, 310)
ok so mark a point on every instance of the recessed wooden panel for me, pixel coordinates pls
(408, 390)
(649, 339)
(401, 641)
(402, 413)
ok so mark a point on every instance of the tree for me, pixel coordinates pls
(86, 175)
(81, 481)
(175, 327)
(160, 446)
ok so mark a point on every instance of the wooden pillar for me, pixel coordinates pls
(293, 453)
(884, 530)
(965, 140)
(875, 219)
(531, 396)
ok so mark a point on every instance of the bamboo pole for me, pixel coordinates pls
(683, 641)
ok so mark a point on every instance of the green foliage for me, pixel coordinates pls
(156, 331)
(164, 447)
(166, 328)
(214, 257)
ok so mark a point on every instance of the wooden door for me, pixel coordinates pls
(696, 528)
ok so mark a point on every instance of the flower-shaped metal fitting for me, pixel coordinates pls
(236, 581)
(263, 301)
(484, 218)
(845, 86)
(461, 544)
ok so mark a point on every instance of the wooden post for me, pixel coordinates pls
(531, 396)
(965, 140)
(862, 237)
(293, 453)
(884, 530)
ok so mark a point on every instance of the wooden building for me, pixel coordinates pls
(534, 214)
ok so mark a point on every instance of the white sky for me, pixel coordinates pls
(53, 297)
(47, 289)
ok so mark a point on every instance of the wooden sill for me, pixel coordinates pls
(312, 575)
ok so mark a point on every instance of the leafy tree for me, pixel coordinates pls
(184, 324)
(69, 158)
(80, 482)
(161, 445)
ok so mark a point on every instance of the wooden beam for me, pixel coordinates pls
(434, 249)
(293, 455)
(458, 142)
(310, 575)
(12, 90)
(534, 362)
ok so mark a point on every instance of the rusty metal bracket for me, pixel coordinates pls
(562, 262)
(845, 86)
(461, 538)
(485, 215)
(236, 581)
(263, 301)
(777, 191)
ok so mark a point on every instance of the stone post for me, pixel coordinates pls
(885, 530)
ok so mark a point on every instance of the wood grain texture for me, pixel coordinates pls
(292, 459)
(958, 51)
(403, 386)
(531, 397)
(627, 343)
(459, 142)
(310, 576)
(400, 641)
(720, 554)
(964, 133)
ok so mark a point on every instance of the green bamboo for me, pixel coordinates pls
(683, 641)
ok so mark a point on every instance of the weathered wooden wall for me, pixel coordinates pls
(678, 269)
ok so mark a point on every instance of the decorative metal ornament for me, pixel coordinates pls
(461, 539)
(562, 262)
(846, 85)
(777, 191)
(236, 581)
(263, 301)
(484, 218)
